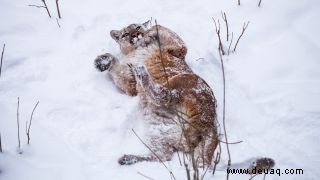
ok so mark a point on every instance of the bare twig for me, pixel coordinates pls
(259, 3)
(58, 9)
(224, 101)
(224, 112)
(178, 156)
(58, 23)
(0, 144)
(216, 161)
(45, 7)
(245, 25)
(224, 17)
(239, 2)
(4, 45)
(18, 125)
(230, 43)
(205, 172)
(187, 171)
(170, 172)
(218, 155)
(219, 37)
(28, 130)
(199, 59)
(264, 176)
(253, 176)
(32, 5)
(238, 142)
(144, 175)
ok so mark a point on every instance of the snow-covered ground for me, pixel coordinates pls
(83, 123)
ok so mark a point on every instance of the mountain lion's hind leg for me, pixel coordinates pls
(169, 41)
(160, 152)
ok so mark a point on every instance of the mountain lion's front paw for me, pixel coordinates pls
(104, 62)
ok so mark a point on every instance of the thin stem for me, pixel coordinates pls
(238, 142)
(147, 177)
(224, 17)
(219, 37)
(243, 29)
(32, 5)
(230, 43)
(217, 160)
(58, 9)
(224, 113)
(4, 45)
(58, 22)
(0, 144)
(46, 7)
(224, 99)
(18, 125)
(187, 171)
(28, 132)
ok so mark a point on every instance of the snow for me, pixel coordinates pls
(83, 122)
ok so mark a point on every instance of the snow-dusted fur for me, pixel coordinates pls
(179, 106)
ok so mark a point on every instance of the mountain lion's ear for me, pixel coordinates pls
(115, 35)
(147, 24)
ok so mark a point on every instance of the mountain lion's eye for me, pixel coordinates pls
(125, 34)
(138, 28)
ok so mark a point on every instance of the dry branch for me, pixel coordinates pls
(145, 176)
(32, 5)
(253, 176)
(28, 130)
(224, 17)
(45, 7)
(238, 142)
(205, 172)
(58, 9)
(259, 3)
(58, 23)
(224, 98)
(0, 144)
(264, 176)
(217, 160)
(4, 45)
(200, 59)
(187, 171)
(219, 37)
(239, 2)
(245, 25)
(230, 44)
(18, 125)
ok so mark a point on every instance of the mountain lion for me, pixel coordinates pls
(179, 106)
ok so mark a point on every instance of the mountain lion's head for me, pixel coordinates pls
(130, 37)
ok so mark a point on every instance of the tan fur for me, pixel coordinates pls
(171, 95)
